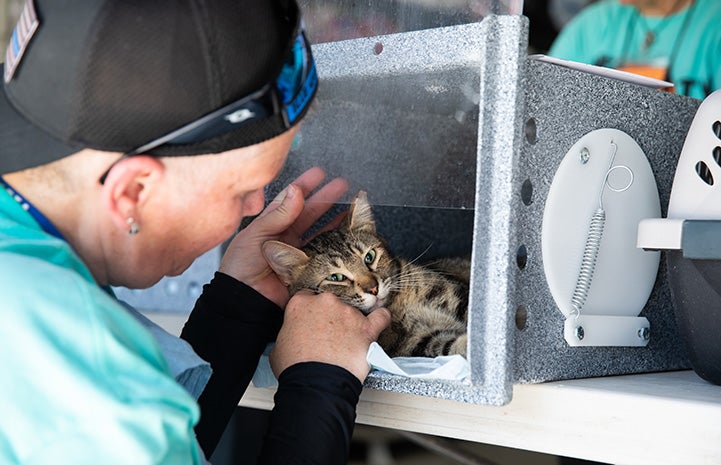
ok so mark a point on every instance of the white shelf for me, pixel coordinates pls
(657, 418)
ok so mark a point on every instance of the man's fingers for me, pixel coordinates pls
(332, 224)
(310, 180)
(305, 292)
(313, 209)
(379, 320)
(319, 203)
(282, 212)
(331, 192)
(306, 183)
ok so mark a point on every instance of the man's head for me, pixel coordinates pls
(185, 109)
(116, 75)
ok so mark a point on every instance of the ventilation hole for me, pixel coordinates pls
(521, 317)
(717, 155)
(704, 173)
(522, 257)
(531, 131)
(717, 129)
(378, 48)
(527, 192)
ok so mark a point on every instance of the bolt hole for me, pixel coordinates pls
(717, 155)
(531, 131)
(522, 257)
(378, 48)
(527, 192)
(717, 129)
(521, 317)
(704, 173)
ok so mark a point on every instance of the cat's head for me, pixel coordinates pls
(351, 261)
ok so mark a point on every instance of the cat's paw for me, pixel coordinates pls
(460, 346)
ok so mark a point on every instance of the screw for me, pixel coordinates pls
(644, 333)
(584, 155)
(580, 333)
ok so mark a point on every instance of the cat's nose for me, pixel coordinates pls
(373, 290)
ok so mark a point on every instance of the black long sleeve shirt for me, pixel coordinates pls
(314, 413)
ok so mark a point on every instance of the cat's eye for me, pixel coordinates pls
(338, 277)
(370, 256)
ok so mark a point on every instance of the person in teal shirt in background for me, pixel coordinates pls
(134, 137)
(674, 40)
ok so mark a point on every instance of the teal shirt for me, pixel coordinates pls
(610, 34)
(82, 382)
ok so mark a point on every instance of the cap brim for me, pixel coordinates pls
(22, 144)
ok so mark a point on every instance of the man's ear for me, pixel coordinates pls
(126, 187)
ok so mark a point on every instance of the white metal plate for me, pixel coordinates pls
(624, 274)
(607, 331)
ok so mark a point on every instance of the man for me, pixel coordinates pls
(135, 136)
(674, 40)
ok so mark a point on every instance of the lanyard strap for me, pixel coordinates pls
(41, 219)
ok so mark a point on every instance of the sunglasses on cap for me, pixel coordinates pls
(287, 96)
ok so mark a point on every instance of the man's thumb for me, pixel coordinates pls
(379, 320)
(283, 210)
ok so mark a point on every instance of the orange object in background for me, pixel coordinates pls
(655, 72)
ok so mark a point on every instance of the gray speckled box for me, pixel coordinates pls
(566, 105)
(433, 125)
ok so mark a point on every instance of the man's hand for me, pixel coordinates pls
(286, 219)
(321, 328)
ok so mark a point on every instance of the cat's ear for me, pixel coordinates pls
(360, 215)
(283, 259)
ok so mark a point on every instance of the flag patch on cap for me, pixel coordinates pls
(24, 30)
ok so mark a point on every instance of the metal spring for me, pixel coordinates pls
(593, 241)
(588, 264)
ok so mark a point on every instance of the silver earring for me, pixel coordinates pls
(133, 225)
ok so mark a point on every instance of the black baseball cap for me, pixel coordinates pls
(160, 77)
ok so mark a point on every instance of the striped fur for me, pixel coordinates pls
(428, 303)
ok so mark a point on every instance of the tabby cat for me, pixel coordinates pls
(428, 304)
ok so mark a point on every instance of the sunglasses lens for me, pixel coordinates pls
(298, 79)
(294, 71)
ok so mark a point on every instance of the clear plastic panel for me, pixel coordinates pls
(397, 115)
(332, 20)
(401, 123)
(407, 139)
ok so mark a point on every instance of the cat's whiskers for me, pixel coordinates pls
(414, 272)
(421, 254)
(417, 279)
(432, 265)
(408, 279)
(423, 299)
(444, 273)
(406, 275)
(407, 282)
